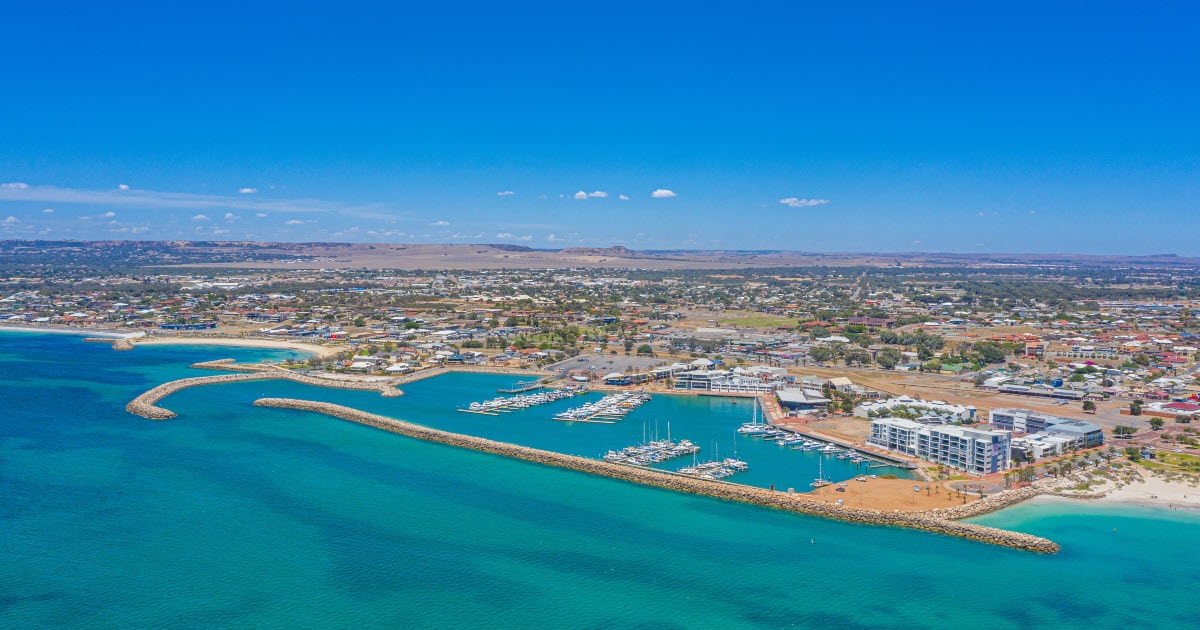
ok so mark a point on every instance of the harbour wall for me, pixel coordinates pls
(933, 521)
(145, 405)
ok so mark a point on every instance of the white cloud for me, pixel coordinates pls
(599, 193)
(48, 211)
(527, 237)
(552, 238)
(581, 195)
(981, 213)
(794, 202)
(14, 186)
(261, 215)
(505, 193)
(157, 200)
(231, 217)
(623, 197)
(504, 235)
(122, 186)
(293, 222)
(201, 217)
(108, 215)
(663, 193)
(439, 224)
(11, 220)
(544, 196)
(247, 191)
(1033, 212)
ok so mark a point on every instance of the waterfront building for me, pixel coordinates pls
(1046, 435)
(971, 450)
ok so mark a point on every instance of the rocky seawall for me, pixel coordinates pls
(939, 521)
(117, 343)
(146, 407)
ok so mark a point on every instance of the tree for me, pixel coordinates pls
(888, 358)
(1089, 406)
(818, 332)
(1183, 419)
(1122, 430)
(1156, 423)
(820, 354)
(645, 349)
(1135, 408)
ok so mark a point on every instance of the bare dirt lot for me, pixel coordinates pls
(893, 494)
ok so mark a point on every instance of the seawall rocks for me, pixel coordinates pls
(117, 343)
(144, 405)
(933, 521)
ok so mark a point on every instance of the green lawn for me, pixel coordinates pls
(757, 321)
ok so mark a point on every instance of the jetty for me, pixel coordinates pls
(496, 406)
(522, 387)
(607, 410)
(937, 521)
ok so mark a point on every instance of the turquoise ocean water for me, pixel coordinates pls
(234, 516)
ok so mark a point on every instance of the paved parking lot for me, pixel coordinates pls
(603, 364)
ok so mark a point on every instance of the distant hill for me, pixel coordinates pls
(241, 254)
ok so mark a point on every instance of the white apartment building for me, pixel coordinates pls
(974, 451)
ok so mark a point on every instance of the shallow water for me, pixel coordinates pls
(232, 515)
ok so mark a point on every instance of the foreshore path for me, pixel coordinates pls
(938, 521)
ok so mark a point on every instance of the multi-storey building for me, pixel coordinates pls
(975, 451)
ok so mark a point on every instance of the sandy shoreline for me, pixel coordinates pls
(141, 339)
(1151, 491)
(315, 349)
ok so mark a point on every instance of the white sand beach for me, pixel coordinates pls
(317, 349)
(1148, 489)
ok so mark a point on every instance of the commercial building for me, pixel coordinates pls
(974, 451)
(1046, 435)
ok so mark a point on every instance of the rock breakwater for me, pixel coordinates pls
(144, 405)
(933, 521)
(117, 343)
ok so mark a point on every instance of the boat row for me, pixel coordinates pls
(611, 407)
(651, 453)
(523, 401)
(718, 469)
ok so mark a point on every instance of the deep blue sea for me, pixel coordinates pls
(235, 516)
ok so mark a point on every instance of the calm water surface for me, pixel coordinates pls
(234, 516)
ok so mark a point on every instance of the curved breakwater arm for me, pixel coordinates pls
(932, 521)
(145, 404)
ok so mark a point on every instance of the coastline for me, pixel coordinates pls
(140, 338)
(315, 349)
(1150, 491)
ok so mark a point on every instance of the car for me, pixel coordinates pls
(841, 489)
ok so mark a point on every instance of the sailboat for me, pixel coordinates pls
(753, 427)
(820, 480)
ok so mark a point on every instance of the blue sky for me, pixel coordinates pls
(1014, 127)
